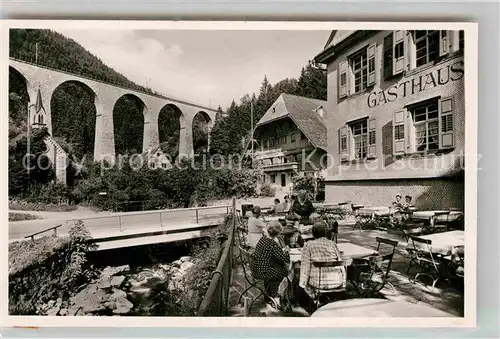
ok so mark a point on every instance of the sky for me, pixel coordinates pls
(209, 68)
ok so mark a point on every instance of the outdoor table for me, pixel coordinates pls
(370, 307)
(348, 250)
(430, 215)
(442, 243)
(378, 211)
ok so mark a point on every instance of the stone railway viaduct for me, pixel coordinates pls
(46, 81)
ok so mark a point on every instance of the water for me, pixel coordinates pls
(151, 272)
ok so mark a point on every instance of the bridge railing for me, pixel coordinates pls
(215, 302)
(146, 221)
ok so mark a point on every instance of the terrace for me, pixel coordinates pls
(424, 277)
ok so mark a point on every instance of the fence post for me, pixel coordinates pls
(120, 222)
(161, 221)
(196, 215)
(55, 231)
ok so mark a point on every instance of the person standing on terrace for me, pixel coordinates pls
(256, 227)
(302, 208)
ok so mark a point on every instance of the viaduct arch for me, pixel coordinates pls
(45, 81)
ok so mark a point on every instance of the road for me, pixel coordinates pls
(102, 224)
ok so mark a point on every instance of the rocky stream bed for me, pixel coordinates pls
(120, 290)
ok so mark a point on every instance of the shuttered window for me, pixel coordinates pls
(372, 138)
(444, 43)
(446, 124)
(371, 53)
(343, 79)
(398, 60)
(388, 56)
(399, 135)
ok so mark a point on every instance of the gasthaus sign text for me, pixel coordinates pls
(437, 77)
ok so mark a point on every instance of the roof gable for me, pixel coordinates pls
(303, 112)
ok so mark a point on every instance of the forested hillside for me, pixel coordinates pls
(57, 51)
(228, 132)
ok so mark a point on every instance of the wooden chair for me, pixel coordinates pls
(428, 264)
(325, 264)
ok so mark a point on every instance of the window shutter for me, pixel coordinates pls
(444, 43)
(446, 124)
(388, 56)
(398, 133)
(343, 68)
(372, 138)
(398, 59)
(343, 144)
(370, 53)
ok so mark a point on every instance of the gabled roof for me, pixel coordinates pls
(303, 112)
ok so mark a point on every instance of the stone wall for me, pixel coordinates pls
(431, 194)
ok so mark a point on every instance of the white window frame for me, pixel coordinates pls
(359, 141)
(430, 34)
(362, 70)
(426, 124)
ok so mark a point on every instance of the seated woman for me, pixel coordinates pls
(256, 226)
(320, 249)
(302, 208)
(270, 261)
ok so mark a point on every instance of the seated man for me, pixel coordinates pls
(278, 207)
(320, 249)
(256, 226)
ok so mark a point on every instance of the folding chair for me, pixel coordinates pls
(325, 264)
(413, 230)
(245, 259)
(373, 282)
(376, 278)
(440, 225)
(427, 263)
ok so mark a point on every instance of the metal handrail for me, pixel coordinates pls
(32, 236)
(126, 214)
(220, 283)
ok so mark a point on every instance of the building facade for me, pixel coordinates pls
(291, 141)
(396, 117)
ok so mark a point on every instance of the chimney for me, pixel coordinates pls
(321, 111)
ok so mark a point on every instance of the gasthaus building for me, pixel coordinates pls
(395, 117)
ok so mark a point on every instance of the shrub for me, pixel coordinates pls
(21, 216)
(205, 258)
(48, 268)
(304, 183)
(19, 205)
(266, 190)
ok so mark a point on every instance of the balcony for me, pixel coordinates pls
(289, 166)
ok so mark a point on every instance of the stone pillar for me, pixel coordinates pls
(151, 138)
(186, 137)
(104, 146)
